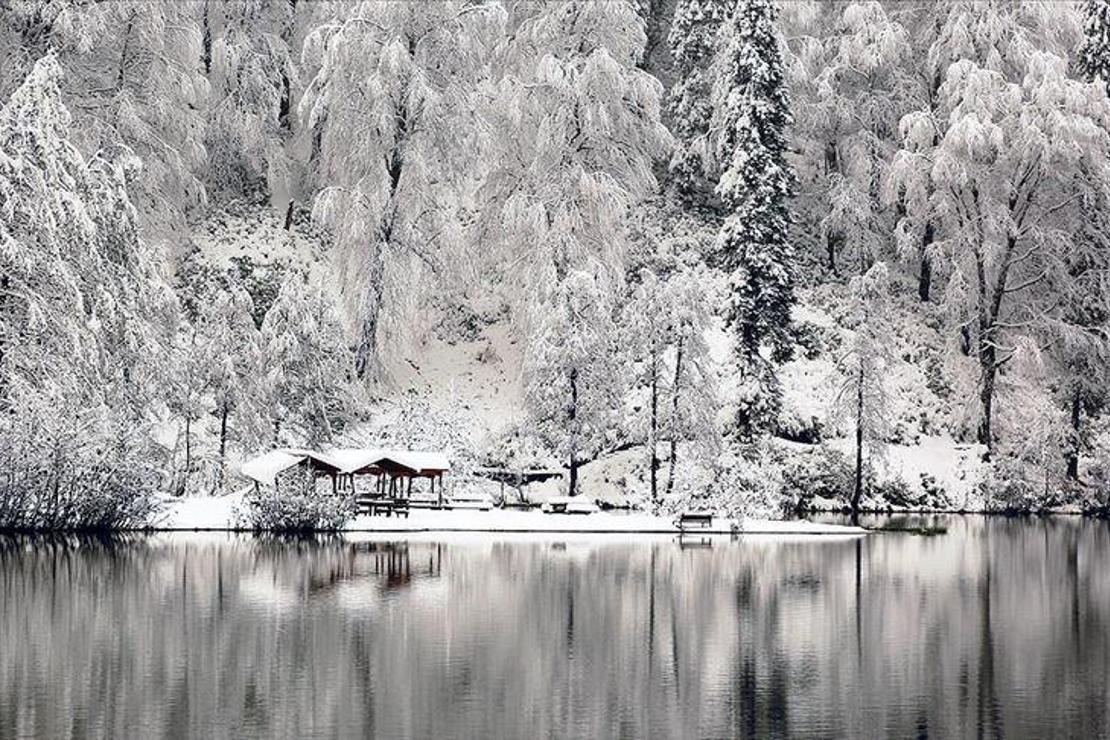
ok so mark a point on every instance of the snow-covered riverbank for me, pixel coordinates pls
(218, 513)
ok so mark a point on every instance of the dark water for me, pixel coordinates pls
(997, 628)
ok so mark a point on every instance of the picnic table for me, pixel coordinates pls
(386, 506)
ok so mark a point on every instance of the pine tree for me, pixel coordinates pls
(1094, 54)
(693, 41)
(750, 120)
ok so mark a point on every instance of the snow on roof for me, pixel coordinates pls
(350, 460)
(266, 466)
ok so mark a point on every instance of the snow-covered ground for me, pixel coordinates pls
(218, 513)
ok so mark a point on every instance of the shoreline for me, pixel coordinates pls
(217, 514)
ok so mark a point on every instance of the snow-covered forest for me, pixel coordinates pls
(751, 254)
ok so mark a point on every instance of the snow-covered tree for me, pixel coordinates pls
(573, 381)
(249, 60)
(83, 306)
(692, 391)
(133, 79)
(996, 165)
(646, 329)
(234, 359)
(140, 85)
(574, 131)
(308, 366)
(390, 108)
(1094, 54)
(85, 317)
(693, 42)
(852, 94)
(862, 398)
(750, 120)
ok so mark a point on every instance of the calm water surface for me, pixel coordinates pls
(999, 628)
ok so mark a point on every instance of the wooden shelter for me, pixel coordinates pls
(393, 471)
(268, 468)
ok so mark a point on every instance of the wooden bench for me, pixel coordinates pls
(694, 520)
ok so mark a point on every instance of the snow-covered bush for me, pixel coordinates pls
(794, 426)
(748, 485)
(1007, 487)
(67, 470)
(820, 475)
(296, 504)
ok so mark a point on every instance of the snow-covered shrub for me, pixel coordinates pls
(66, 470)
(816, 476)
(796, 427)
(749, 492)
(296, 504)
(1006, 486)
(748, 484)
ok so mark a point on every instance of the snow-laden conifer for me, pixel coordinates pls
(750, 120)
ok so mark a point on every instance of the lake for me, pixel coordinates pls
(999, 627)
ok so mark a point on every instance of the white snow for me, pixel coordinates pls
(217, 513)
(266, 466)
(351, 459)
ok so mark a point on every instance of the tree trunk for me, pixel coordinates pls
(122, 76)
(833, 240)
(653, 435)
(1076, 444)
(925, 275)
(368, 334)
(289, 215)
(675, 390)
(988, 371)
(572, 417)
(223, 446)
(857, 492)
(4, 283)
(188, 451)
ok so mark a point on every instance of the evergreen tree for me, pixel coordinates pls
(693, 41)
(750, 120)
(1094, 54)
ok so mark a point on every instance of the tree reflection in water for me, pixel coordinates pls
(997, 628)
